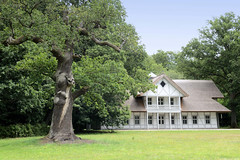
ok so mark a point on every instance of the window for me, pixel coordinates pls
(150, 119)
(207, 119)
(194, 119)
(184, 118)
(172, 119)
(161, 119)
(149, 101)
(162, 83)
(160, 101)
(172, 101)
(127, 122)
(137, 119)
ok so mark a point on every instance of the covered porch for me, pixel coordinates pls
(163, 120)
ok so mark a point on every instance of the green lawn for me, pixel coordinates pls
(131, 145)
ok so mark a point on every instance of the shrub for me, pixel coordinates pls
(23, 130)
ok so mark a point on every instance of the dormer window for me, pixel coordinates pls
(149, 101)
(162, 83)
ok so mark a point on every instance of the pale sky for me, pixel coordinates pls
(170, 24)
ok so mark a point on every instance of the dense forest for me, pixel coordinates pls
(72, 64)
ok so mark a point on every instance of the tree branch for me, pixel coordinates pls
(77, 56)
(83, 31)
(105, 43)
(57, 53)
(17, 41)
(124, 41)
(80, 92)
(20, 40)
(37, 40)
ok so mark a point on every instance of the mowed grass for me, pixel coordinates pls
(131, 145)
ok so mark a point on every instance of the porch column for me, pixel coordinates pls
(169, 102)
(180, 117)
(158, 120)
(179, 103)
(170, 119)
(147, 101)
(147, 119)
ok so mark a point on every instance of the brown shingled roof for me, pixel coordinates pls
(136, 104)
(201, 94)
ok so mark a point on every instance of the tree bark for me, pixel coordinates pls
(61, 126)
(233, 111)
(234, 118)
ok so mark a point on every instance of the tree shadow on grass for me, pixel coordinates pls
(46, 140)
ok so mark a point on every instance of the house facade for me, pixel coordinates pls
(176, 104)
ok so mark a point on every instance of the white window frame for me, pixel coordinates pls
(160, 101)
(161, 119)
(184, 119)
(149, 101)
(195, 119)
(172, 119)
(137, 120)
(207, 119)
(150, 119)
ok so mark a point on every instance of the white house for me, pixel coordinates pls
(176, 104)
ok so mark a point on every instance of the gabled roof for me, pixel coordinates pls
(158, 78)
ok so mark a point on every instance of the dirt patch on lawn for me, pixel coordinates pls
(46, 140)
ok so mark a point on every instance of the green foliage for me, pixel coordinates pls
(167, 59)
(108, 84)
(23, 130)
(22, 100)
(39, 63)
(150, 65)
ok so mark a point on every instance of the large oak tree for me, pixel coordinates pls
(63, 30)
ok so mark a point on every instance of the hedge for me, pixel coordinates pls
(23, 130)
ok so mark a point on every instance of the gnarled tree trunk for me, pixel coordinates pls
(61, 126)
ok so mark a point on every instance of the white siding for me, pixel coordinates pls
(167, 90)
(201, 121)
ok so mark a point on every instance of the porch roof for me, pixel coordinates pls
(136, 104)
